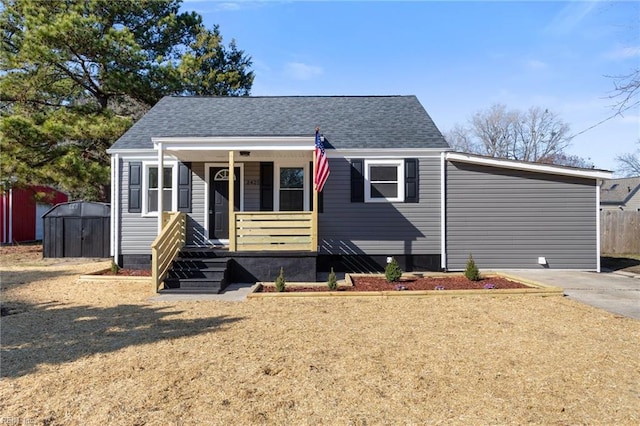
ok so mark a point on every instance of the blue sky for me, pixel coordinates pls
(456, 57)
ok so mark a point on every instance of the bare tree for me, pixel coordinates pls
(626, 91)
(536, 135)
(460, 139)
(629, 163)
(540, 135)
(495, 130)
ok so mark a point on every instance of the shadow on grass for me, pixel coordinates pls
(54, 333)
(615, 263)
(16, 278)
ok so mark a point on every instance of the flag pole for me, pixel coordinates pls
(314, 207)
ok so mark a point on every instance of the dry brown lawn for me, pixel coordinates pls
(100, 353)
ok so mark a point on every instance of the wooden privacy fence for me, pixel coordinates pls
(619, 232)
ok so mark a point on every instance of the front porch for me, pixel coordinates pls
(263, 215)
(183, 269)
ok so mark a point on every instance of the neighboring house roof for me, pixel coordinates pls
(347, 122)
(619, 191)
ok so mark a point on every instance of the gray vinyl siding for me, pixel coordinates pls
(196, 234)
(137, 232)
(380, 228)
(252, 186)
(508, 218)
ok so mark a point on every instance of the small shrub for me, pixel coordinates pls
(114, 268)
(471, 271)
(280, 282)
(332, 282)
(393, 272)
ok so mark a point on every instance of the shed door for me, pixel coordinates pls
(72, 237)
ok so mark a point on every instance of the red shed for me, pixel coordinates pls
(21, 212)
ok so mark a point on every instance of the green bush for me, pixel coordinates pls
(114, 268)
(393, 272)
(332, 282)
(280, 282)
(471, 271)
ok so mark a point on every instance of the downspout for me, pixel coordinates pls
(443, 213)
(113, 212)
(598, 184)
(115, 203)
(160, 185)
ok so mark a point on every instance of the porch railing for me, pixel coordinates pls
(166, 246)
(274, 231)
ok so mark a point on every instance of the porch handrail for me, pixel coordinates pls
(166, 246)
(274, 231)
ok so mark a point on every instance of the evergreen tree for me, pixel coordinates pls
(76, 74)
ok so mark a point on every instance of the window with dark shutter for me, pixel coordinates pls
(184, 187)
(135, 187)
(266, 186)
(411, 180)
(357, 181)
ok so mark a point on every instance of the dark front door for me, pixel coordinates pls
(219, 201)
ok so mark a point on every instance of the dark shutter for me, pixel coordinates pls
(411, 180)
(320, 196)
(184, 187)
(357, 181)
(266, 186)
(135, 187)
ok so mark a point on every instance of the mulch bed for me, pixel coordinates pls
(368, 283)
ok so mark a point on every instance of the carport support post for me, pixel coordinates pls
(232, 203)
(160, 185)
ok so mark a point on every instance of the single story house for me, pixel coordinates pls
(21, 211)
(621, 194)
(395, 188)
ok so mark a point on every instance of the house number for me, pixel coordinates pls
(251, 182)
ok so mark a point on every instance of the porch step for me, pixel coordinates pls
(197, 271)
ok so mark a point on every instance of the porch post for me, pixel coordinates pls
(314, 208)
(160, 185)
(232, 203)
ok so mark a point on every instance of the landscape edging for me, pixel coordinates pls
(537, 289)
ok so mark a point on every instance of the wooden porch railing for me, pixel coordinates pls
(274, 231)
(166, 246)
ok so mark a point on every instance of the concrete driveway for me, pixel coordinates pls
(614, 292)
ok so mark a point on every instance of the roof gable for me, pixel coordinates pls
(347, 122)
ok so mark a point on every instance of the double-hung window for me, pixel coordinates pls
(151, 179)
(291, 188)
(384, 181)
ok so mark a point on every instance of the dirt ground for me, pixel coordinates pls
(96, 353)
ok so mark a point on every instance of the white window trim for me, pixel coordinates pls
(146, 165)
(207, 172)
(399, 163)
(305, 184)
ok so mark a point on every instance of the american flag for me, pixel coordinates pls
(322, 164)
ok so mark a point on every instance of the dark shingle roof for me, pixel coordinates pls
(617, 191)
(345, 121)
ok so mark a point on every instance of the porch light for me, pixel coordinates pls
(245, 153)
